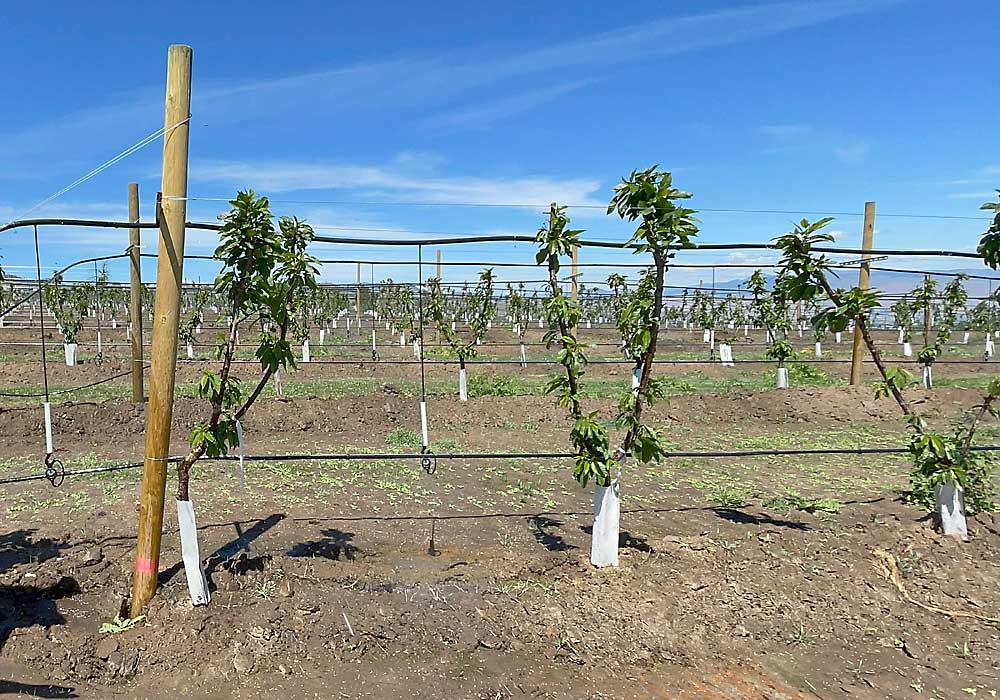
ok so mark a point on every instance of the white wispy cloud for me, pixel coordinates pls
(972, 195)
(783, 132)
(385, 183)
(420, 82)
(852, 152)
(486, 115)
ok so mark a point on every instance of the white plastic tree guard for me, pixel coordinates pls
(190, 351)
(726, 355)
(950, 501)
(197, 583)
(463, 387)
(69, 350)
(306, 356)
(928, 377)
(782, 378)
(907, 349)
(607, 516)
(819, 349)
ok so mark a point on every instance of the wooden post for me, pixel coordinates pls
(357, 299)
(864, 278)
(135, 289)
(166, 312)
(439, 264)
(928, 316)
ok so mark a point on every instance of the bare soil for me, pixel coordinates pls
(370, 578)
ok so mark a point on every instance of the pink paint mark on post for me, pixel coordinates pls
(145, 566)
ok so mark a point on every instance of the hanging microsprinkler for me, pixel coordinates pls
(55, 472)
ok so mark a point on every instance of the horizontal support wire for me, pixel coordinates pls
(359, 456)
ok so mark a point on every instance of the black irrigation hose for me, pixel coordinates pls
(36, 292)
(680, 454)
(490, 239)
(71, 389)
(366, 361)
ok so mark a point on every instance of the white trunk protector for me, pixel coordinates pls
(305, 351)
(48, 428)
(190, 351)
(69, 349)
(782, 377)
(463, 391)
(524, 356)
(607, 514)
(726, 355)
(819, 349)
(423, 423)
(239, 439)
(928, 377)
(907, 350)
(197, 583)
(837, 337)
(950, 501)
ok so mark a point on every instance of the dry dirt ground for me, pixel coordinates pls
(759, 577)
(368, 578)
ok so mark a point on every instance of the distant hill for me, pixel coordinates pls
(896, 283)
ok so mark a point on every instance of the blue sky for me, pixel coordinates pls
(362, 109)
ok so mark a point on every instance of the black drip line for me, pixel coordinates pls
(340, 456)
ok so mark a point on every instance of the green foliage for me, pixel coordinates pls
(68, 304)
(895, 377)
(648, 197)
(481, 308)
(903, 315)
(780, 350)
(403, 437)
(730, 496)
(267, 277)
(495, 385)
(989, 244)
(121, 624)
(793, 501)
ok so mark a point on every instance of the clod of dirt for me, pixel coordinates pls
(106, 647)
(243, 662)
(286, 590)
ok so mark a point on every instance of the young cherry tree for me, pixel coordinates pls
(481, 308)
(946, 470)
(193, 313)
(266, 274)
(647, 197)
(519, 310)
(954, 299)
(902, 313)
(69, 306)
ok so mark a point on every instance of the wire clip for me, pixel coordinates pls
(55, 472)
